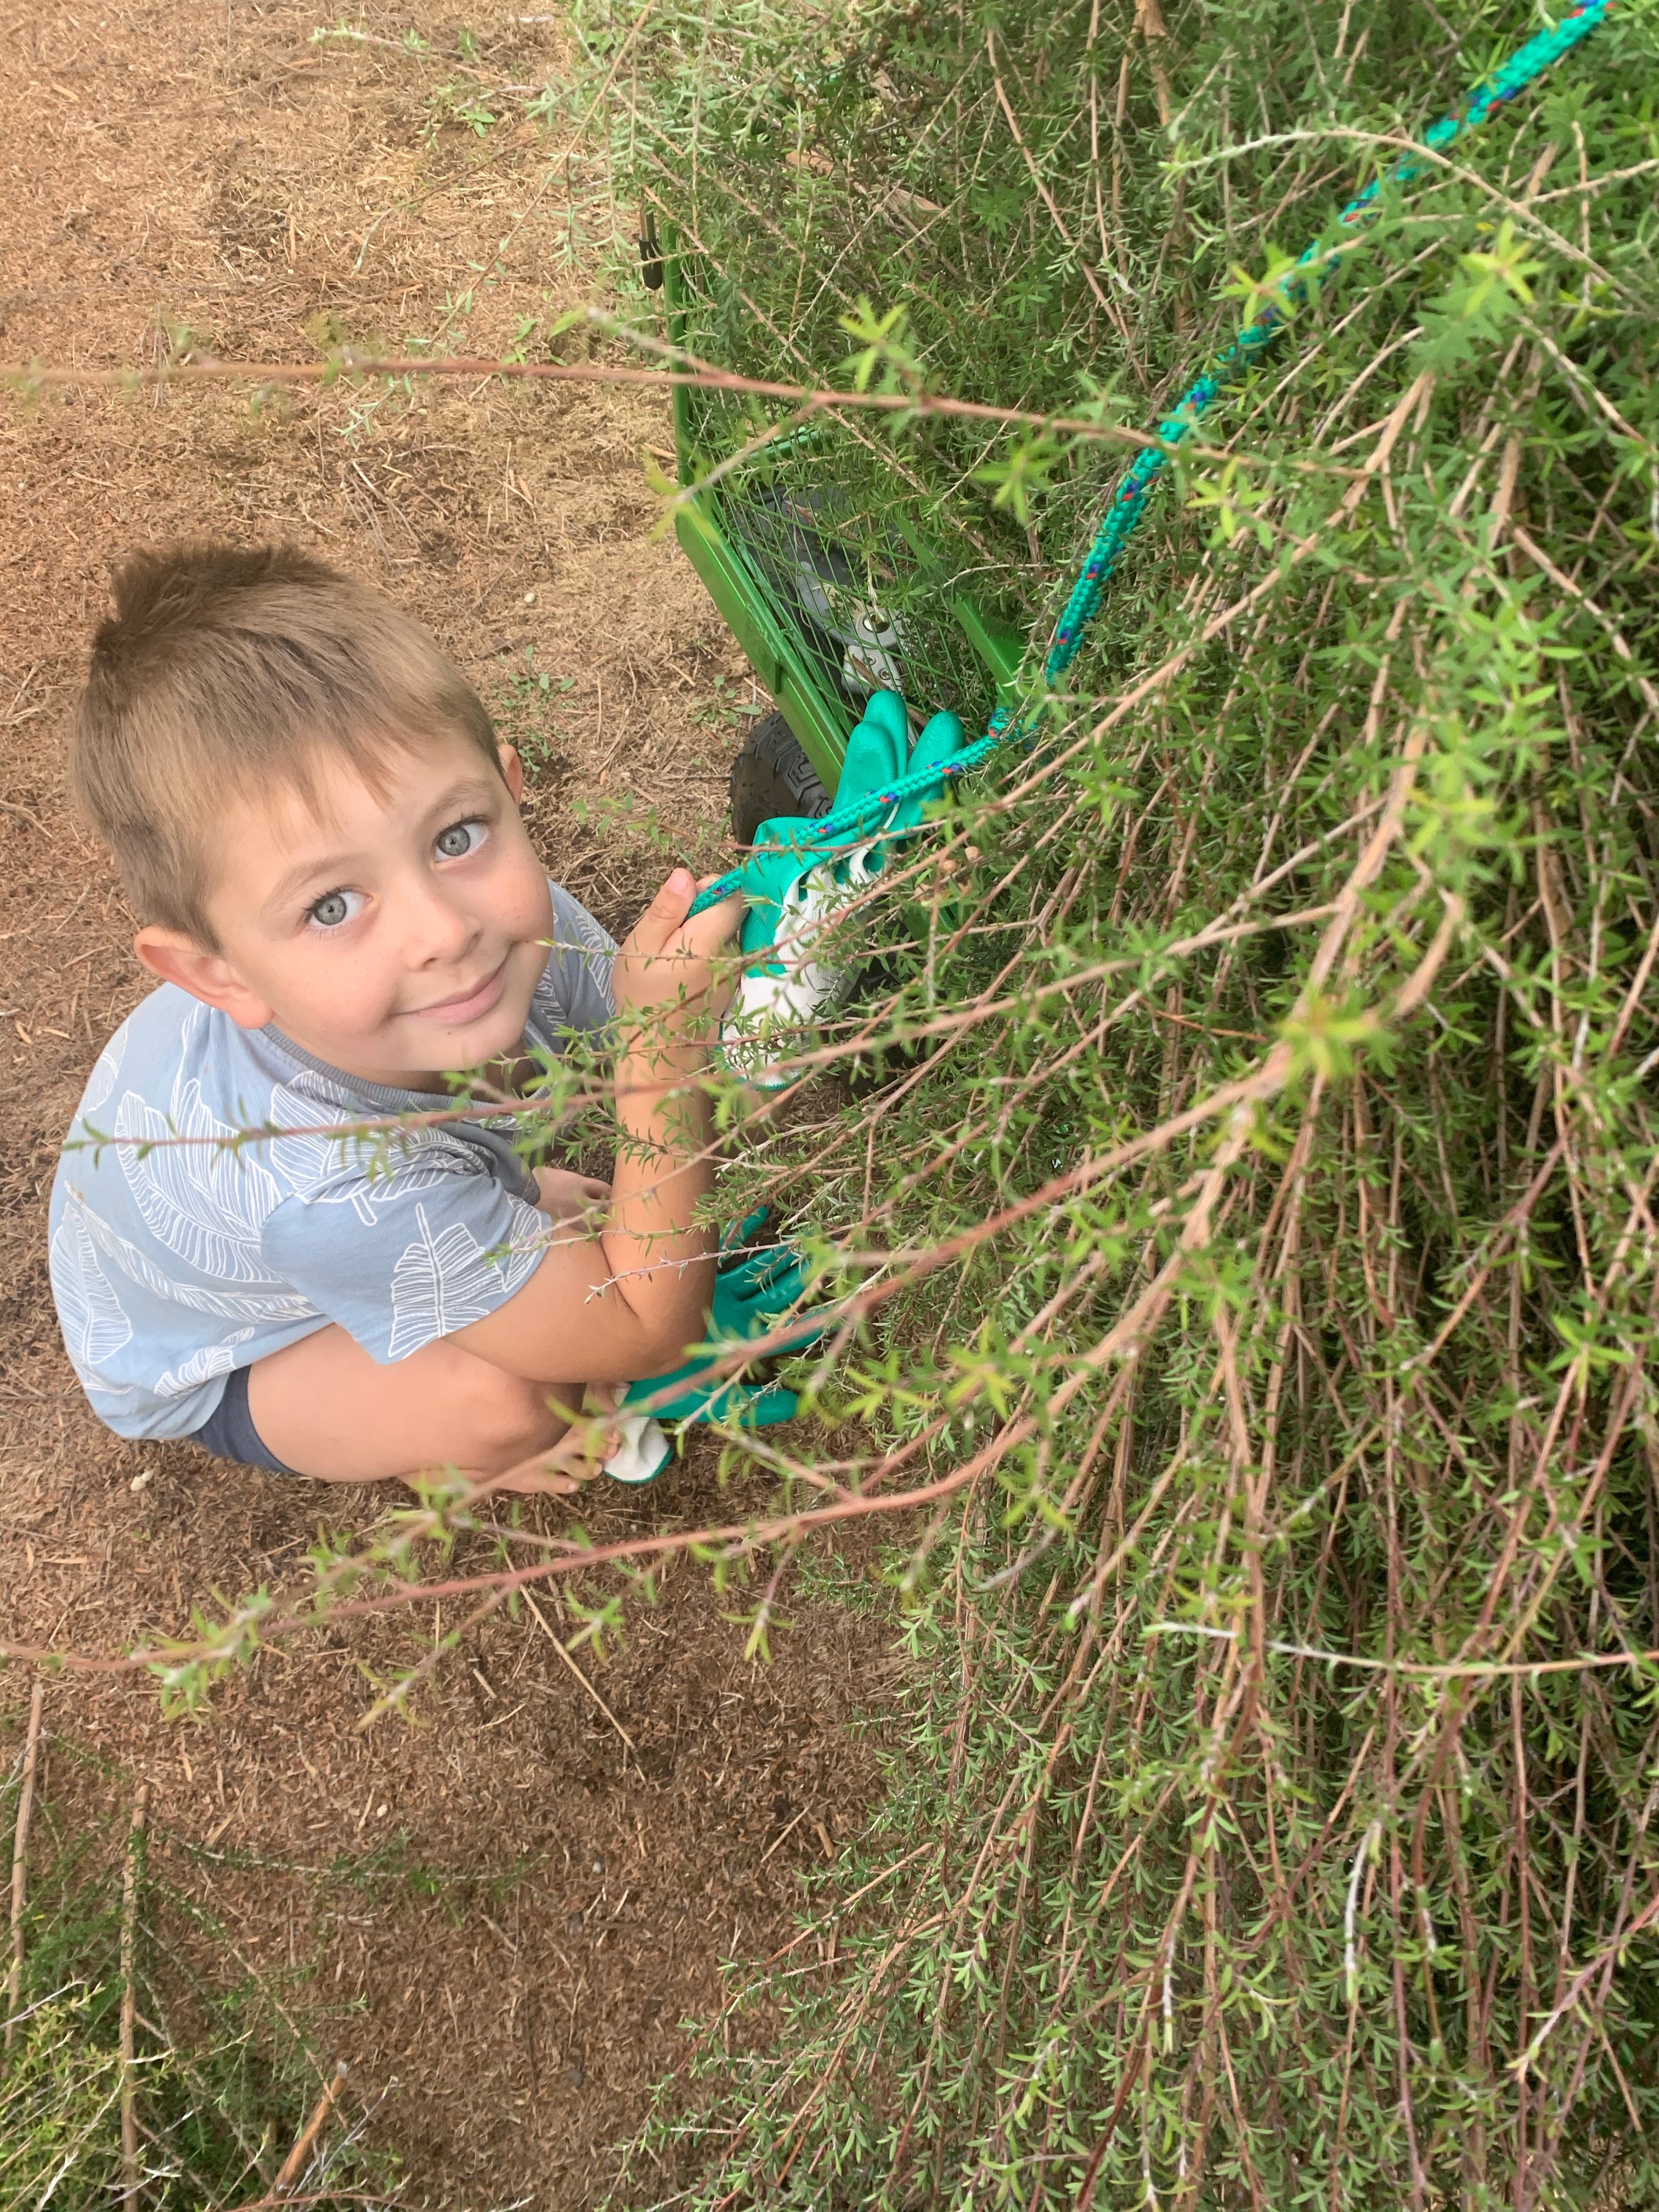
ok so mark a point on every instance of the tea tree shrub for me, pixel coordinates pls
(1262, 1160)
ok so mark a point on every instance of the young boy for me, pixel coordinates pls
(320, 836)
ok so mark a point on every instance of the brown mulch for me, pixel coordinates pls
(178, 175)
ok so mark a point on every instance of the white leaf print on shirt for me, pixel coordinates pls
(95, 1325)
(201, 1367)
(445, 1279)
(322, 1170)
(229, 1305)
(205, 1204)
(106, 1067)
(578, 933)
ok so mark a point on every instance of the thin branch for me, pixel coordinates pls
(20, 1850)
(129, 2175)
(543, 1623)
(294, 2164)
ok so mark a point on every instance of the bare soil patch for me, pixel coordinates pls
(550, 1907)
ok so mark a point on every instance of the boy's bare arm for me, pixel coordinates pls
(629, 1302)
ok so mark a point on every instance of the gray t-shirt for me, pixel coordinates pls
(174, 1266)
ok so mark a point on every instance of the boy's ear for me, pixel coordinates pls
(513, 769)
(206, 975)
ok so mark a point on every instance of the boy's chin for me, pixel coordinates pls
(424, 1060)
(500, 1037)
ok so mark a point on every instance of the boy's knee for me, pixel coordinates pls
(508, 1420)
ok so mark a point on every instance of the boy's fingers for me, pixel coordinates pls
(663, 928)
(720, 922)
(666, 911)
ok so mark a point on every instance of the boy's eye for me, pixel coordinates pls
(458, 840)
(335, 907)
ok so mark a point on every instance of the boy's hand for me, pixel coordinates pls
(563, 1196)
(627, 1302)
(665, 960)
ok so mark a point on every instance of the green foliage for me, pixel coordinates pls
(727, 706)
(526, 706)
(220, 2084)
(1275, 1822)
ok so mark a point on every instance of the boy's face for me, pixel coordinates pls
(396, 936)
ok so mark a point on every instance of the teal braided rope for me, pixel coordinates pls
(848, 826)
(1128, 500)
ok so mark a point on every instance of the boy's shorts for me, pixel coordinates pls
(228, 1431)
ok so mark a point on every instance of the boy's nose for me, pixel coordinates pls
(434, 930)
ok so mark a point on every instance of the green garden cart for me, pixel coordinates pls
(832, 591)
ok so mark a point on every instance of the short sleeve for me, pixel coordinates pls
(575, 991)
(408, 1255)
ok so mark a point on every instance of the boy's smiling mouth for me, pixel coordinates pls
(467, 1007)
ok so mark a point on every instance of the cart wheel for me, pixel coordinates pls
(772, 775)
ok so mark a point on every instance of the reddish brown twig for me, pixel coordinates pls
(293, 2164)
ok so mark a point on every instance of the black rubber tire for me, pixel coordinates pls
(772, 775)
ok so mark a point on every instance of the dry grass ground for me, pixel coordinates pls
(179, 168)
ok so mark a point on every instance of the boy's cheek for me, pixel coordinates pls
(534, 900)
(340, 1001)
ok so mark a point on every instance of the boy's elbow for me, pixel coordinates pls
(662, 1347)
(669, 1333)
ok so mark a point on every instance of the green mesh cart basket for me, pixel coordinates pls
(827, 582)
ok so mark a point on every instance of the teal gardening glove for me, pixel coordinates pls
(752, 1294)
(793, 893)
(878, 753)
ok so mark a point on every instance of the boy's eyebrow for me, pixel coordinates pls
(303, 873)
(308, 871)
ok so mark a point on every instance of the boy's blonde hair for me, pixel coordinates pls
(227, 670)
